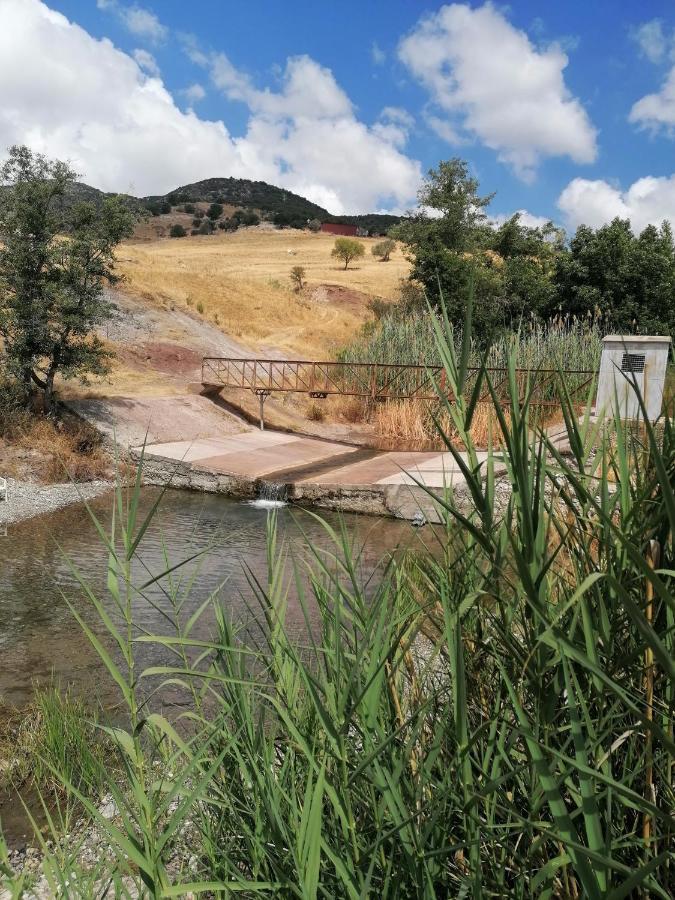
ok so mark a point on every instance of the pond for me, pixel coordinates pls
(40, 638)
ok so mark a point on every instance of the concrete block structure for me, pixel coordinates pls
(628, 362)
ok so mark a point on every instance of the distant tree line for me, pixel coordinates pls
(625, 280)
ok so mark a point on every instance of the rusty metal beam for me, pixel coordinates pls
(373, 381)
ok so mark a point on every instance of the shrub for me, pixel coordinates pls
(215, 211)
(200, 307)
(315, 412)
(196, 222)
(298, 277)
(177, 231)
(384, 249)
(206, 227)
(189, 208)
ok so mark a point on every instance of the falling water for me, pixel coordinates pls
(271, 494)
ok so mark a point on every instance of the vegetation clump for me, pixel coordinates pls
(489, 717)
(383, 249)
(298, 277)
(177, 231)
(347, 250)
(53, 272)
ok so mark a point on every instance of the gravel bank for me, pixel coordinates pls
(25, 499)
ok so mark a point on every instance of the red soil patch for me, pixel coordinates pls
(172, 359)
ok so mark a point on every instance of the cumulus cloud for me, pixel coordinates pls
(139, 21)
(648, 201)
(656, 112)
(486, 80)
(528, 219)
(307, 135)
(91, 103)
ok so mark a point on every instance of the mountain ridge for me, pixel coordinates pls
(283, 207)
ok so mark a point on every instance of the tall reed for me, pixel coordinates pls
(493, 718)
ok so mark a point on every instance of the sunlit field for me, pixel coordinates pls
(241, 282)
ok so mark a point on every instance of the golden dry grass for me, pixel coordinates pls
(241, 282)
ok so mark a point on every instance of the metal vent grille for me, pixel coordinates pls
(633, 362)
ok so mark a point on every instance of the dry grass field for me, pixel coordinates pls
(241, 283)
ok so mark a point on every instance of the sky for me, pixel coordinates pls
(565, 110)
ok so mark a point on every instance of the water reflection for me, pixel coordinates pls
(39, 635)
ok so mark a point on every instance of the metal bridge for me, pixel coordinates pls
(378, 382)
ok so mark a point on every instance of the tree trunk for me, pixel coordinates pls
(49, 392)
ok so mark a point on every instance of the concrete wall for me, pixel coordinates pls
(629, 360)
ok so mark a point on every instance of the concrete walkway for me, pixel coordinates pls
(319, 472)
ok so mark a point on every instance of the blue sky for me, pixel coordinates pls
(565, 110)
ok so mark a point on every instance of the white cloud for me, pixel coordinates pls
(377, 54)
(648, 201)
(307, 136)
(194, 93)
(528, 219)
(488, 80)
(657, 111)
(146, 61)
(652, 40)
(139, 21)
(91, 103)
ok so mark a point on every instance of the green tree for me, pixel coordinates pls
(628, 280)
(53, 273)
(215, 211)
(450, 242)
(298, 277)
(177, 231)
(347, 249)
(384, 249)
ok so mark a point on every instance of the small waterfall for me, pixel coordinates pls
(271, 495)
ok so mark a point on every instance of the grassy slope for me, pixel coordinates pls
(243, 278)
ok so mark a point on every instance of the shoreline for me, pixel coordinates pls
(25, 499)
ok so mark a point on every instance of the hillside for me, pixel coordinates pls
(275, 204)
(245, 194)
(240, 282)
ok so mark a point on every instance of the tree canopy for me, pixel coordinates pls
(53, 272)
(519, 271)
(347, 249)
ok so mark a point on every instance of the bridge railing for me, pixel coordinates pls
(380, 381)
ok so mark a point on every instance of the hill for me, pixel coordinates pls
(283, 206)
(278, 205)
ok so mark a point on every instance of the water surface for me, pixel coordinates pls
(39, 637)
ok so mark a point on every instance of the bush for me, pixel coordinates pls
(384, 249)
(206, 227)
(200, 307)
(315, 412)
(215, 211)
(196, 222)
(177, 231)
(189, 207)
(298, 277)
